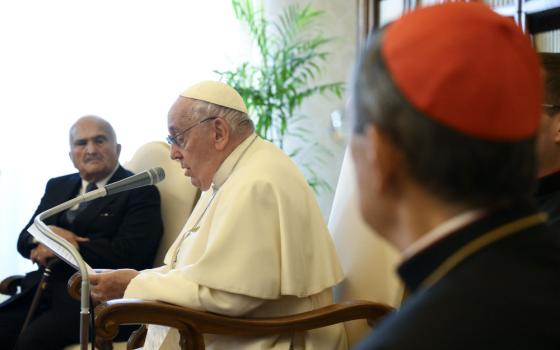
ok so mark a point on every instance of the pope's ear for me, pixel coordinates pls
(222, 133)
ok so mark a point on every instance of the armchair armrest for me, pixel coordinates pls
(192, 324)
(74, 285)
(9, 285)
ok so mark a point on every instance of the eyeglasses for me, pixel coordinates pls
(172, 140)
(551, 106)
(551, 109)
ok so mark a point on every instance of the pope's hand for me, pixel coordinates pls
(110, 285)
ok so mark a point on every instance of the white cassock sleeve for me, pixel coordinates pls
(170, 286)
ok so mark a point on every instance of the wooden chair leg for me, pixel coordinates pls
(137, 338)
(191, 339)
(103, 344)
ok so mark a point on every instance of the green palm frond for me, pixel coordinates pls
(291, 51)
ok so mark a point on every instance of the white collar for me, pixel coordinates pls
(227, 166)
(101, 182)
(440, 231)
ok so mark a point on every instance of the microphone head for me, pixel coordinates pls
(156, 175)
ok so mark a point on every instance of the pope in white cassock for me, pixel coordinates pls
(255, 245)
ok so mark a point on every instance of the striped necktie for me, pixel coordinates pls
(71, 214)
(90, 187)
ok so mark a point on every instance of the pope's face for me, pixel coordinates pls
(93, 150)
(194, 148)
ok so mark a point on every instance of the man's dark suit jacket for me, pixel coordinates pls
(548, 198)
(504, 295)
(124, 231)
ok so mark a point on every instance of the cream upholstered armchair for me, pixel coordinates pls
(367, 260)
(178, 197)
(193, 324)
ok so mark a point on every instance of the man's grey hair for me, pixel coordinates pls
(100, 121)
(551, 65)
(238, 121)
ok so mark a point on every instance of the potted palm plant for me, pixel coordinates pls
(291, 54)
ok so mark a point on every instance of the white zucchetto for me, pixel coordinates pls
(217, 93)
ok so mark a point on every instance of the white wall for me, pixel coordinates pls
(124, 60)
(340, 22)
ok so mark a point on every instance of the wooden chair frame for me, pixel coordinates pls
(10, 285)
(193, 324)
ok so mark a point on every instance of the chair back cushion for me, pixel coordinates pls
(178, 195)
(368, 261)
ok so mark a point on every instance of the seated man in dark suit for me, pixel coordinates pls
(446, 108)
(548, 193)
(116, 231)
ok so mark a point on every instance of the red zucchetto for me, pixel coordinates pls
(479, 75)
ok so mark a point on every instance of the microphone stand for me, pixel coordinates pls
(84, 297)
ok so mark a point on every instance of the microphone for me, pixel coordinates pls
(67, 252)
(148, 177)
(145, 178)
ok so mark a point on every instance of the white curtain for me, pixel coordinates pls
(124, 60)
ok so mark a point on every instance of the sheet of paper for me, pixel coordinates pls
(57, 249)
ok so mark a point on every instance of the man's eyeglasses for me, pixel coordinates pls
(172, 140)
(552, 108)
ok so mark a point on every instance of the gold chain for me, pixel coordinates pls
(481, 242)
